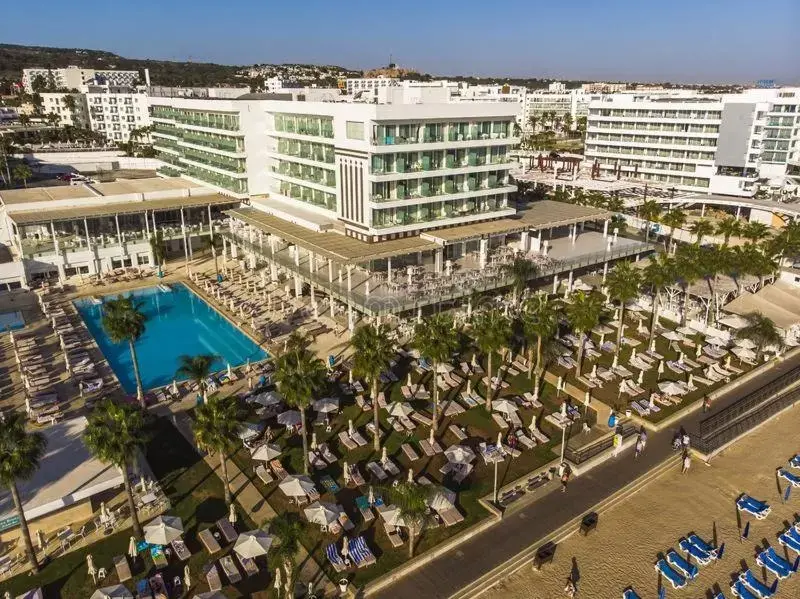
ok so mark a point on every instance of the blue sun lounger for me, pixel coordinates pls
(757, 508)
(629, 593)
(776, 564)
(793, 479)
(738, 589)
(700, 555)
(715, 552)
(758, 587)
(790, 538)
(795, 461)
(719, 596)
(676, 580)
(677, 561)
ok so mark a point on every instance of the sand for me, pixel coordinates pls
(623, 549)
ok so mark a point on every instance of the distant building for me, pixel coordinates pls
(162, 91)
(354, 86)
(603, 88)
(74, 77)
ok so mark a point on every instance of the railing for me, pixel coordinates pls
(587, 452)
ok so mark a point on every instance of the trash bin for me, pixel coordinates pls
(589, 523)
(544, 555)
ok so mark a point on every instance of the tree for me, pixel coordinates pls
(761, 331)
(650, 212)
(115, 435)
(38, 84)
(24, 120)
(532, 121)
(583, 313)
(492, 332)
(69, 103)
(22, 172)
(372, 353)
(300, 376)
(53, 119)
(701, 228)
(581, 124)
(755, 231)
(20, 453)
(436, 338)
(674, 219)
(659, 273)
(412, 501)
(213, 244)
(287, 530)
(540, 318)
(688, 257)
(623, 284)
(159, 248)
(566, 120)
(197, 369)
(521, 271)
(728, 227)
(124, 321)
(216, 427)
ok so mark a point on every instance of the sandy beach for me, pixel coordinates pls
(622, 551)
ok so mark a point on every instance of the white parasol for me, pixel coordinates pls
(744, 353)
(505, 406)
(296, 486)
(321, 513)
(232, 514)
(277, 583)
(326, 405)
(289, 418)
(746, 343)
(266, 399)
(459, 454)
(400, 409)
(314, 440)
(671, 388)
(163, 530)
(132, 548)
(91, 568)
(187, 578)
(266, 452)
(391, 515)
(253, 543)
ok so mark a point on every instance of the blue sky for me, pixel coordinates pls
(677, 40)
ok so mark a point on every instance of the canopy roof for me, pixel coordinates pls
(778, 302)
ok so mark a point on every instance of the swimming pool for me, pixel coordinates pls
(178, 322)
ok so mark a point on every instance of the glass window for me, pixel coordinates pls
(355, 130)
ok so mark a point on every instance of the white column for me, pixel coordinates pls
(438, 260)
(605, 271)
(310, 262)
(616, 234)
(333, 307)
(702, 210)
(483, 252)
(210, 226)
(574, 233)
(330, 271)
(349, 278)
(146, 226)
(119, 231)
(419, 314)
(569, 284)
(605, 228)
(388, 270)
(313, 295)
(185, 241)
(350, 320)
(298, 286)
(272, 244)
(273, 272)
(555, 283)
(525, 241)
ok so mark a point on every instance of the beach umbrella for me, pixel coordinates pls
(314, 440)
(716, 341)
(350, 376)
(232, 514)
(91, 568)
(40, 539)
(614, 362)
(350, 428)
(746, 343)
(321, 513)
(163, 530)
(132, 548)
(371, 495)
(671, 335)
(633, 354)
(410, 475)
(346, 472)
(400, 409)
(469, 387)
(690, 383)
(289, 418)
(442, 498)
(266, 399)
(459, 454)
(117, 591)
(187, 578)
(671, 388)
(532, 426)
(444, 368)
(277, 583)
(499, 439)
(230, 371)
(640, 379)
(103, 512)
(744, 353)
(661, 367)
(247, 366)
(384, 455)
(431, 437)
(296, 486)
(266, 452)
(345, 546)
(174, 387)
(505, 406)
(253, 543)
(391, 515)
(698, 351)
(326, 405)
(408, 382)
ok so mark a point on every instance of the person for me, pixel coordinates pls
(569, 588)
(687, 461)
(706, 403)
(638, 449)
(617, 443)
(685, 441)
(643, 437)
(565, 479)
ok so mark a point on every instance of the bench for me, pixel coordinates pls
(499, 421)
(457, 432)
(209, 542)
(421, 419)
(409, 452)
(123, 568)
(212, 577)
(227, 530)
(180, 550)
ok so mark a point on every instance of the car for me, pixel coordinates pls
(65, 176)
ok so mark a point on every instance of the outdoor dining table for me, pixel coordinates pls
(148, 498)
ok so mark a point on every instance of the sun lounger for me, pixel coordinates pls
(334, 559)
(676, 580)
(622, 372)
(209, 542)
(409, 452)
(540, 436)
(264, 474)
(605, 374)
(531, 400)
(791, 478)
(344, 520)
(790, 539)
(699, 555)
(122, 567)
(365, 405)
(278, 470)
(407, 424)
(758, 587)
(394, 537)
(376, 471)
(230, 569)
(421, 419)
(248, 565)
(227, 530)
(525, 439)
(180, 550)
(358, 438)
(776, 564)
(639, 409)
(679, 563)
(356, 477)
(629, 593)
(390, 467)
(451, 516)
(459, 434)
(360, 552)
(795, 461)
(759, 509)
(499, 420)
(738, 589)
(345, 440)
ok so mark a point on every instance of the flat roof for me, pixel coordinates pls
(151, 184)
(112, 208)
(336, 246)
(74, 192)
(44, 194)
(294, 214)
(68, 473)
(544, 214)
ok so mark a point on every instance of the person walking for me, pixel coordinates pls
(565, 478)
(643, 437)
(706, 403)
(687, 462)
(638, 448)
(569, 588)
(617, 444)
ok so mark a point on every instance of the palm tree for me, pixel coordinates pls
(583, 313)
(159, 248)
(114, 435)
(412, 502)
(532, 121)
(372, 354)
(540, 318)
(623, 284)
(521, 270)
(20, 453)
(124, 321)
(688, 257)
(287, 530)
(659, 273)
(701, 228)
(728, 227)
(492, 332)
(22, 172)
(213, 244)
(755, 231)
(761, 331)
(25, 120)
(674, 219)
(581, 124)
(300, 376)
(197, 369)
(436, 338)
(567, 121)
(216, 427)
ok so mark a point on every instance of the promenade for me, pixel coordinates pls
(446, 575)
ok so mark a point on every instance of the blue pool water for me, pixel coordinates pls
(178, 322)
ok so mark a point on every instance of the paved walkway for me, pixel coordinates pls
(452, 571)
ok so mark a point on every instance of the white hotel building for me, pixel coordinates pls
(74, 77)
(714, 144)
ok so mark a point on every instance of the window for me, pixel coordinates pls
(355, 130)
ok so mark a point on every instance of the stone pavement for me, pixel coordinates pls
(447, 574)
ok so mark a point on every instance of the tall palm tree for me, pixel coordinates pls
(701, 228)
(20, 453)
(22, 172)
(159, 248)
(215, 428)
(623, 284)
(755, 231)
(674, 219)
(567, 121)
(372, 353)
(436, 338)
(688, 257)
(213, 244)
(492, 332)
(659, 273)
(583, 313)
(412, 501)
(650, 212)
(761, 331)
(287, 530)
(728, 227)
(300, 376)
(197, 369)
(124, 321)
(521, 271)
(114, 435)
(540, 318)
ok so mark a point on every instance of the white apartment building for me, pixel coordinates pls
(116, 111)
(73, 112)
(555, 100)
(74, 77)
(719, 144)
